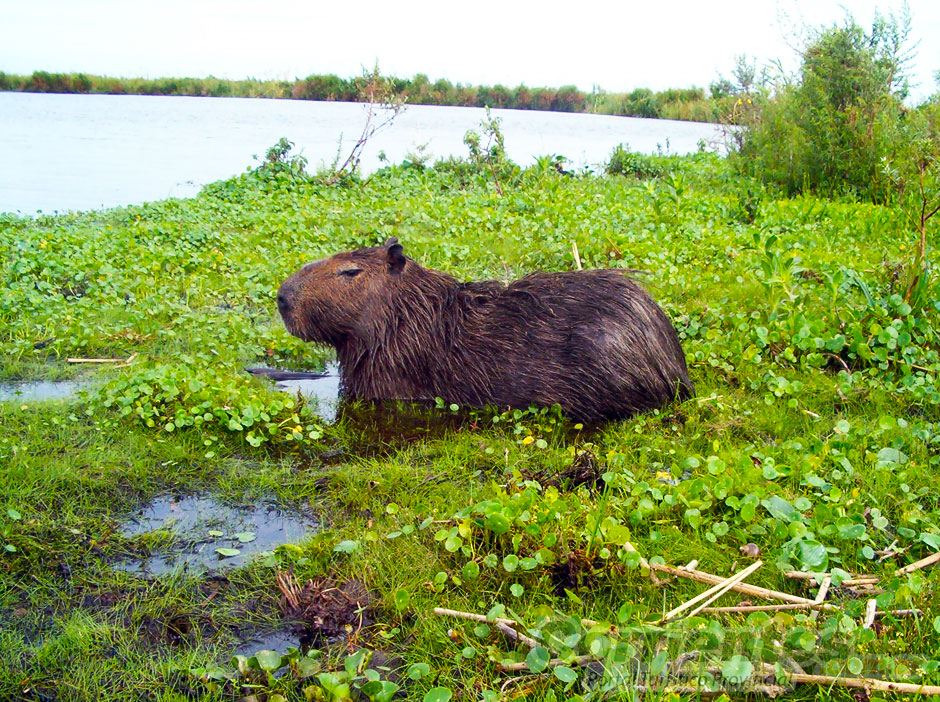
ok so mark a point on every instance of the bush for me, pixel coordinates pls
(832, 127)
(631, 163)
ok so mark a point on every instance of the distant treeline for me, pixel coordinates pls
(683, 104)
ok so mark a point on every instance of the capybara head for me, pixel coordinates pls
(330, 299)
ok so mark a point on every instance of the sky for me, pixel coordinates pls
(617, 46)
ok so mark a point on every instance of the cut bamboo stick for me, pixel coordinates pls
(95, 360)
(554, 662)
(472, 617)
(821, 594)
(917, 565)
(703, 577)
(854, 580)
(515, 635)
(864, 683)
(870, 609)
(711, 594)
(745, 609)
(441, 611)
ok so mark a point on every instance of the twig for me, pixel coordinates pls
(816, 606)
(823, 589)
(577, 256)
(821, 594)
(554, 662)
(870, 610)
(845, 366)
(518, 678)
(703, 577)
(854, 581)
(644, 564)
(860, 581)
(917, 565)
(898, 613)
(472, 617)
(711, 594)
(441, 611)
(863, 683)
(515, 635)
(96, 360)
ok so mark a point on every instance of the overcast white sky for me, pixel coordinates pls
(615, 45)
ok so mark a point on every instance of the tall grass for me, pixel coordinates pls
(691, 104)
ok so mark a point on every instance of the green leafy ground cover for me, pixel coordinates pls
(813, 436)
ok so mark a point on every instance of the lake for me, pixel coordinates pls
(80, 152)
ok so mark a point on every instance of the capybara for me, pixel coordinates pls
(592, 341)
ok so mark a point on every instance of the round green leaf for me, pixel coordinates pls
(470, 570)
(348, 546)
(227, 552)
(269, 660)
(416, 671)
(565, 674)
(538, 659)
(737, 670)
(438, 694)
(402, 598)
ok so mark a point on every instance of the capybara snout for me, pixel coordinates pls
(591, 341)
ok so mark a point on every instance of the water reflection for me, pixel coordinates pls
(194, 528)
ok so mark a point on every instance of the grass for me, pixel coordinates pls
(813, 435)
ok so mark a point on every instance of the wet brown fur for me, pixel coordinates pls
(592, 341)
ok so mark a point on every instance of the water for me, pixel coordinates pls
(79, 152)
(322, 392)
(202, 524)
(40, 391)
(278, 640)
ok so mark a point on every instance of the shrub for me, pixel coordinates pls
(831, 128)
(631, 163)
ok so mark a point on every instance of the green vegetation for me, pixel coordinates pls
(683, 104)
(813, 436)
(809, 317)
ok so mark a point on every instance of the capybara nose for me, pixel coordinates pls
(283, 304)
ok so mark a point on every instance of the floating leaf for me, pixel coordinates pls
(215, 532)
(245, 537)
(269, 660)
(227, 552)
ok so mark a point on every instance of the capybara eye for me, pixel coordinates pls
(351, 272)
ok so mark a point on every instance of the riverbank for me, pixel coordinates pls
(811, 445)
(686, 104)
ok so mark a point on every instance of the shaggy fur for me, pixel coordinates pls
(592, 341)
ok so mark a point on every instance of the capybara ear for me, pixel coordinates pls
(390, 241)
(396, 258)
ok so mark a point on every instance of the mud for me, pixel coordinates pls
(324, 609)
